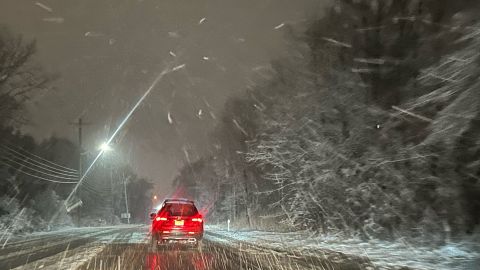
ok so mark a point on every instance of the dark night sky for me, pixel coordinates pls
(107, 52)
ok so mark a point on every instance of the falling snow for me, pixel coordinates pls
(178, 67)
(43, 6)
(173, 34)
(309, 138)
(279, 26)
(93, 34)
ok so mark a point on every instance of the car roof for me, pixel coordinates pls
(185, 201)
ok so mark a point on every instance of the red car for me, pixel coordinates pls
(178, 220)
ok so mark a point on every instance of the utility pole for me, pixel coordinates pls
(112, 202)
(234, 202)
(80, 125)
(126, 200)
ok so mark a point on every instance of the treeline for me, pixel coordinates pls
(369, 126)
(32, 189)
(36, 177)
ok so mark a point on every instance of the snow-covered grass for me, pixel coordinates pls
(385, 255)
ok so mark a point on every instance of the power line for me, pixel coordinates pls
(92, 188)
(35, 170)
(43, 161)
(35, 176)
(25, 152)
(33, 158)
(26, 160)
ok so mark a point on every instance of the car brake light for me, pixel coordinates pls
(161, 218)
(197, 219)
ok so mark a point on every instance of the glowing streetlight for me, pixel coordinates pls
(105, 147)
(155, 197)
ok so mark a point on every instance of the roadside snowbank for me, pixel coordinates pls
(461, 256)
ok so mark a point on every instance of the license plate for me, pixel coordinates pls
(179, 222)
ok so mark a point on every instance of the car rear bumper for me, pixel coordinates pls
(177, 235)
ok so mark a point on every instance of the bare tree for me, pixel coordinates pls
(19, 76)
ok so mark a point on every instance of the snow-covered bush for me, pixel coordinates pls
(16, 219)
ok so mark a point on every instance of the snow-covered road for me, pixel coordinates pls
(126, 247)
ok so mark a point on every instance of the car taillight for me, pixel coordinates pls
(160, 218)
(197, 219)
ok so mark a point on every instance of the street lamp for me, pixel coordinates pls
(105, 147)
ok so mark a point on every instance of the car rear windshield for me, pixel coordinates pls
(179, 209)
